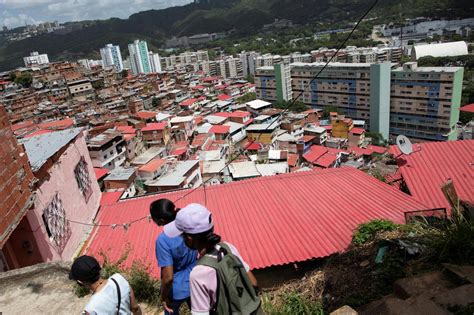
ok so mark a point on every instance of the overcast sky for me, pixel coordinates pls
(15, 13)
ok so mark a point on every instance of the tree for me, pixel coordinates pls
(25, 79)
(247, 98)
(294, 106)
(124, 73)
(327, 110)
(250, 78)
(377, 138)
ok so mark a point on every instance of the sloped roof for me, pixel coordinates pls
(219, 129)
(272, 220)
(467, 108)
(146, 115)
(100, 172)
(431, 164)
(152, 166)
(154, 126)
(314, 153)
(40, 148)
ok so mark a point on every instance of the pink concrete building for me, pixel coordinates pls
(66, 190)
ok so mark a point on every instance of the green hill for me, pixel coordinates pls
(244, 16)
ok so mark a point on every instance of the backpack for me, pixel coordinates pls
(235, 293)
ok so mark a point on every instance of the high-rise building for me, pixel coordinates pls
(155, 62)
(35, 59)
(274, 82)
(419, 102)
(111, 57)
(139, 57)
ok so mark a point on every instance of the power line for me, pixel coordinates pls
(289, 105)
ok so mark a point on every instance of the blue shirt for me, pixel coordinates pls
(173, 252)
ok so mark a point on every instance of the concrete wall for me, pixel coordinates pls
(62, 180)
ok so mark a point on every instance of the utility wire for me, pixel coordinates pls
(289, 105)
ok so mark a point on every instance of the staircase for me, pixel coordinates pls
(432, 293)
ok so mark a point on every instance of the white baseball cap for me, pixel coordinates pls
(192, 219)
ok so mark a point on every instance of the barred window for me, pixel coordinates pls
(57, 227)
(82, 177)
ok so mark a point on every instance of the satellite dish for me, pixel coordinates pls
(404, 144)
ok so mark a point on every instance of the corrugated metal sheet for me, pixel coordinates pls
(431, 164)
(40, 148)
(272, 220)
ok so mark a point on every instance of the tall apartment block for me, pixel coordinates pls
(274, 82)
(155, 62)
(425, 101)
(139, 61)
(111, 57)
(420, 102)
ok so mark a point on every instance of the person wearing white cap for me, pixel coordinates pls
(221, 282)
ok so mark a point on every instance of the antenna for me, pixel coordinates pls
(404, 145)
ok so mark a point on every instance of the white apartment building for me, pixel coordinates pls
(35, 59)
(111, 57)
(155, 62)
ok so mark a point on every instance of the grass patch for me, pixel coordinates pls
(367, 231)
(292, 303)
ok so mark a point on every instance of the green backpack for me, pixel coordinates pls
(235, 293)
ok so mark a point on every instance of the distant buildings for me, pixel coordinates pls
(139, 57)
(35, 59)
(420, 102)
(111, 57)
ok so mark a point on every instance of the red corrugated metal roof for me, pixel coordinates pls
(110, 198)
(292, 159)
(38, 132)
(326, 160)
(153, 165)
(126, 129)
(179, 152)
(252, 146)
(219, 129)
(314, 153)
(357, 130)
(25, 124)
(154, 126)
(188, 102)
(377, 149)
(467, 108)
(57, 124)
(359, 151)
(224, 97)
(308, 138)
(272, 220)
(146, 115)
(432, 164)
(100, 172)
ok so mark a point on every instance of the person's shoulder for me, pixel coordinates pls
(119, 278)
(201, 271)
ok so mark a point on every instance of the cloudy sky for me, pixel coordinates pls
(15, 13)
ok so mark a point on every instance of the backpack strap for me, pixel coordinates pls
(118, 294)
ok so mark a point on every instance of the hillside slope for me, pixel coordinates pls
(243, 16)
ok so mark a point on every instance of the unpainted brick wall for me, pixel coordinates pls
(15, 179)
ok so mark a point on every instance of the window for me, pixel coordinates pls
(57, 227)
(82, 178)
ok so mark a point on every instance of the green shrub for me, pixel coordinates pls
(146, 288)
(292, 303)
(366, 231)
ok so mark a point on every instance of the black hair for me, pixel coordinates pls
(163, 209)
(209, 238)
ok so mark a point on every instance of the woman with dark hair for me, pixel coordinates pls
(174, 258)
(221, 283)
(109, 296)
